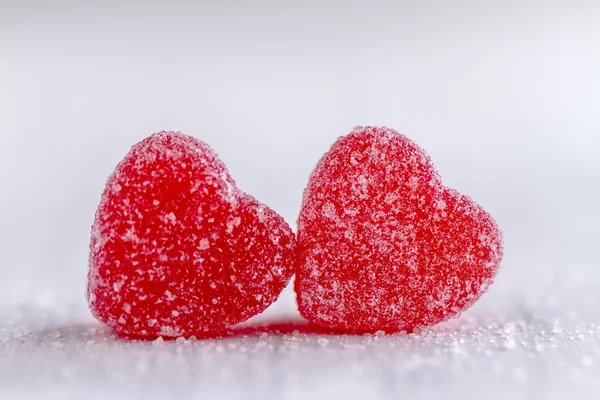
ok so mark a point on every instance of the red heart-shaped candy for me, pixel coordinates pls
(383, 245)
(177, 249)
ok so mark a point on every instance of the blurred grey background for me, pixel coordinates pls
(505, 97)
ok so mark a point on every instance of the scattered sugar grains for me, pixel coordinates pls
(383, 245)
(177, 249)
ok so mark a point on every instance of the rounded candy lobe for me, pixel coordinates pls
(383, 244)
(177, 249)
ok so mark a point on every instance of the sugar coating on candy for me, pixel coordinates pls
(177, 249)
(383, 245)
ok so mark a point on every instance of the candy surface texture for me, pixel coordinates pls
(383, 244)
(177, 249)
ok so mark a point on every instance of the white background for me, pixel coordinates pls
(505, 97)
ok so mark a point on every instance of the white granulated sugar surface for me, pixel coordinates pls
(57, 351)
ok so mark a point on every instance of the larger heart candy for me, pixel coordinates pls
(383, 244)
(177, 249)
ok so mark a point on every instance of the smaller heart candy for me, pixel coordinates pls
(383, 244)
(177, 249)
